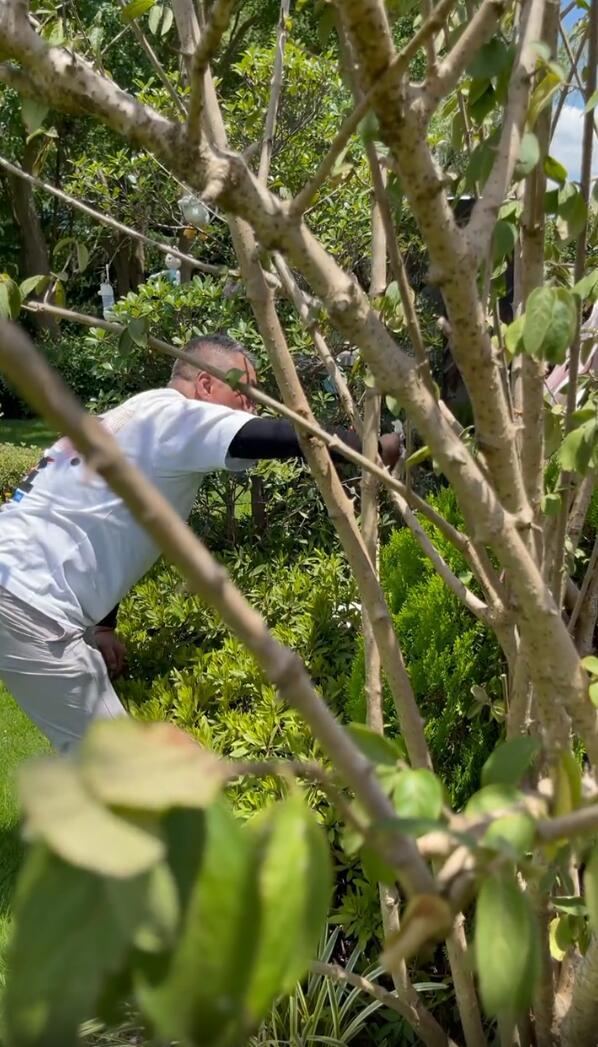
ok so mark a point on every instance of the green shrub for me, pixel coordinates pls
(446, 651)
(15, 463)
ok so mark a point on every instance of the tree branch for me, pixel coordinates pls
(275, 90)
(483, 219)
(394, 70)
(567, 480)
(431, 1033)
(478, 30)
(105, 219)
(156, 63)
(210, 38)
(27, 371)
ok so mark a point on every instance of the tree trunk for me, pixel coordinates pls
(128, 265)
(35, 257)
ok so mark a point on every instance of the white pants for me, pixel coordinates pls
(59, 680)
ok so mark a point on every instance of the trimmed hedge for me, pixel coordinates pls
(15, 463)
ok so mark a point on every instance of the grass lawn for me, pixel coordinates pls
(19, 739)
(29, 431)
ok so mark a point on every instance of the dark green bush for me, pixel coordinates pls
(15, 463)
(446, 651)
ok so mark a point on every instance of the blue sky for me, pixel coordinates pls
(566, 144)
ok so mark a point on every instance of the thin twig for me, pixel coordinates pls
(204, 267)
(587, 578)
(566, 480)
(156, 64)
(467, 46)
(396, 68)
(210, 38)
(481, 224)
(275, 90)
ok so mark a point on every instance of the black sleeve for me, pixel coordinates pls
(276, 438)
(109, 622)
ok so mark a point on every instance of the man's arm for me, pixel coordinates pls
(263, 438)
(112, 649)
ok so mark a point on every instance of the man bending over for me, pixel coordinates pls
(70, 549)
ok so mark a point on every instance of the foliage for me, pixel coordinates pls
(15, 463)
(453, 661)
(194, 909)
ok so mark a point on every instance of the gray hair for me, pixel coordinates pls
(209, 348)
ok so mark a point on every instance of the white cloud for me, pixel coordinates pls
(566, 143)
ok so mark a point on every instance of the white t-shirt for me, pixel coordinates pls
(68, 544)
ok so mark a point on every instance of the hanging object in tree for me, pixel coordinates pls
(173, 267)
(194, 211)
(172, 273)
(106, 293)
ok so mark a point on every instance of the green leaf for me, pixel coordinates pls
(419, 456)
(479, 166)
(591, 888)
(591, 103)
(137, 330)
(235, 376)
(542, 93)
(201, 997)
(567, 784)
(572, 904)
(33, 114)
(294, 889)
(10, 298)
(571, 211)
(150, 767)
(135, 9)
(167, 21)
(33, 284)
(555, 170)
(590, 664)
(61, 811)
(125, 343)
(514, 335)
(377, 747)
(551, 503)
(82, 256)
(587, 287)
(593, 692)
(504, 240)
(513, 833)
(538, 316)
(509, 761)
(72, 930)
(492, 798)
(506, 946)
(490, 60)
(418, 794)
(550, 323)
(529, 155)
(576, 450)
(155, 18)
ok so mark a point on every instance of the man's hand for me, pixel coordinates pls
(112, 649)
(391, 447)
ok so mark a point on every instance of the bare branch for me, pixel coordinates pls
(27, 371)
(567, 481)
(156, 63)
(294, 293)
(98, 216)
(431, 1034)
(581, 596)
(395, 70)
(471, 39)
(483, 218)
(275, 90)
(211, 36)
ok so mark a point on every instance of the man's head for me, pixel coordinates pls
(217, 350)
